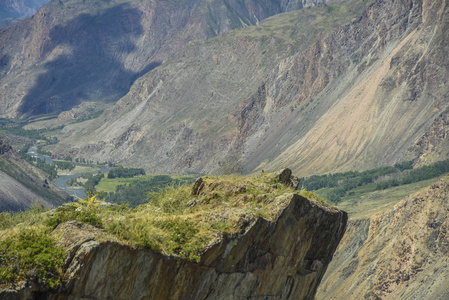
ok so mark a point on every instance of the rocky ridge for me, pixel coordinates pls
(12, 11)
(283, 258)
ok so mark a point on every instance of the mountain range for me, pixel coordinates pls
(12, 11)
(217, 87)
(197, 96)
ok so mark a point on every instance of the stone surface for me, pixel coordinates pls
(285, 259)
(285, 177)
(398, 253)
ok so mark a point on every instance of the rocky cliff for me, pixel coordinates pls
(283, 258)
(23, 184)
(399, 253)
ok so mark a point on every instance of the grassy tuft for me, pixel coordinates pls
(31, 253)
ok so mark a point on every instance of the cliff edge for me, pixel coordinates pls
(274, 247)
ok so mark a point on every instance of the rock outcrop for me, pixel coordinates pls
(284, 259)
(399, 253)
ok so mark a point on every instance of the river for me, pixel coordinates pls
(61, 180)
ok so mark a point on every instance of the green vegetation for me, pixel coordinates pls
(125, 172)
(50, 169)
(27, 250)
(15, 127)
(365, 200)
(335, 187)
(89, 182)
(29, 253)
(135, 190)
(64, 165)
(175, 222)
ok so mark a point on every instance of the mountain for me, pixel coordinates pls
(342, 86)
(12, 11)
(73, 51)
(398, 253)
(334, 87)
(23, 184)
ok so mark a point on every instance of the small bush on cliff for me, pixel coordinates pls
(85, 210)
(28, 254)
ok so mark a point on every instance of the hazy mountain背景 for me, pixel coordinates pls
(12, 11)
(342, 86)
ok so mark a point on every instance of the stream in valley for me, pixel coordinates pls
(60, 181)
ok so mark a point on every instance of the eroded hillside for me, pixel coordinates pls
(294, 90)
(74, 51)
(22, 184)
(399, 253)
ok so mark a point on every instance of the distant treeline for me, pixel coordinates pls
(137, 192)
(340, 184)
(64, 165)
(418, 174)
(50, 169)
(352, 179)
(92, 181)
(121, 172)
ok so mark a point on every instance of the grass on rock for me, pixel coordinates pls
(175, 222)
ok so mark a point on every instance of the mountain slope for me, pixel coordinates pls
(399, 253)
(11, 11)
(73, 51)
(331, 88)
(22, 184)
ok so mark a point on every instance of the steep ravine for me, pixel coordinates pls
(284, 259)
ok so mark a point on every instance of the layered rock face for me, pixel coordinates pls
(400, 253)
(285, 259)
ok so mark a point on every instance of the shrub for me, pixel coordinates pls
(31, 253)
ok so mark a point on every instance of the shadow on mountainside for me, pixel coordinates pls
(91, 67)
